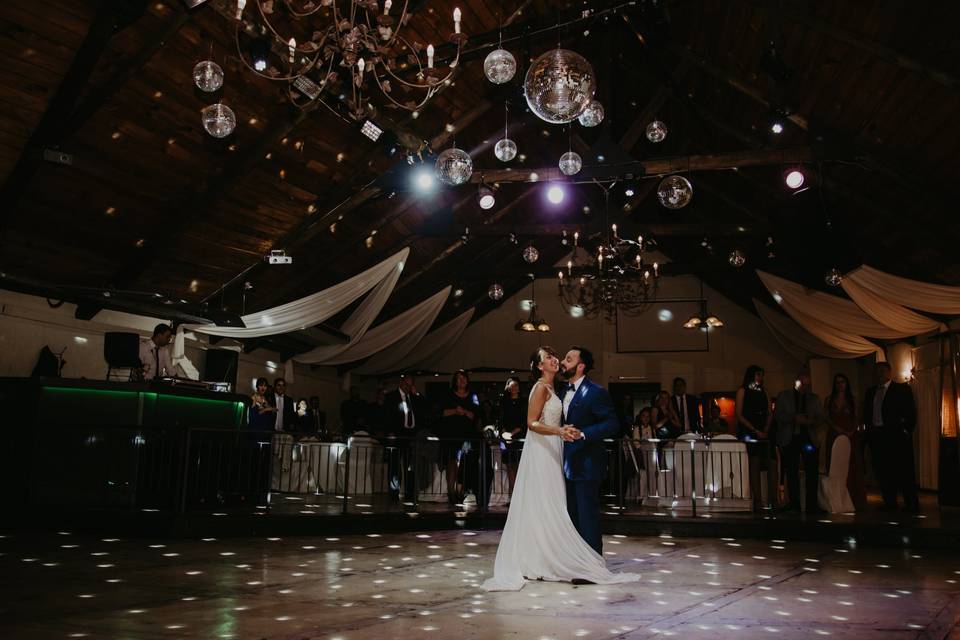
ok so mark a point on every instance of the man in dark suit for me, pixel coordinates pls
(686, 406)
(588, 407)
(285, 406)
(404, 416)
(890, 417)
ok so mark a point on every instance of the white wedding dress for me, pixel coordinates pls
(539, 540)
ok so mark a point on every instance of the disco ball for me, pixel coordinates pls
(500, 66)
(833, 277)
(505, 150)
(656, 131)
(736, 258)
(675, 192)
(208, 76)
(454, 166)
(559, 86)
(218, 120)
(530, 254)
(570, 163)
(495, 292)
(592, 115)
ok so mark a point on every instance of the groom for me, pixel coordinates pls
(586, 406)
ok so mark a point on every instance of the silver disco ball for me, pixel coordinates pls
(592, 115)
(505, 150)
(208, 76)
(570, 163)
(495, 292)
(530, 254)
(656, 131)
(559, 86)
(675, 192)
(833, 277)
(454, 166)
(500, 66)
(736, 258)
(219, 120)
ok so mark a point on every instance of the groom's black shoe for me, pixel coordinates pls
(579, 581)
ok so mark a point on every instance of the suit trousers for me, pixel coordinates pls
(583, 505)
(799, 448)
(891, 451)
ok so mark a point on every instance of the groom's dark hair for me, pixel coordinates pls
(586, 357)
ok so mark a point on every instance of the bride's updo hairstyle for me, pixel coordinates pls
(536, 358)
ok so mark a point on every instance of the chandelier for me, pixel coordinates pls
(609, 274)
(703, 320)
(342, 48)
(532, 323)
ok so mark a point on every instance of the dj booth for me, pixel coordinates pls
(90, 443)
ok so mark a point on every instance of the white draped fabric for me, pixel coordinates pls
(417, 349)
(843, 315)
(413, 320)
(926, 392)
(933, 298)
(792, 336)
(315, 308)
(847, 342)
(888, 312)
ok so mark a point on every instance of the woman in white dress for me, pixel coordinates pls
(539, 541)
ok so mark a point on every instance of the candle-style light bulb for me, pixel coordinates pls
(640, 242)
(569, 267)
(614, 227)
(638, 259)
(292, 45)
(456, 20)
(656, 269)
(240, 5)
(361, 65)
(386, 6)
(576, 238)
(560, 275)
(429, 56)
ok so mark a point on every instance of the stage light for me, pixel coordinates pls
(485, 197)
(423, 179)
(371, 130)
(776, 127)
(555, 194)
(794, 178)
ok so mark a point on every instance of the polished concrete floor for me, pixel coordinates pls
(425, 585)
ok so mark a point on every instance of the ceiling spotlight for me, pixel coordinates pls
(259, 51)
(423, 179)
(555, 194)
(778, 121)
(485, 197)
(794, 178)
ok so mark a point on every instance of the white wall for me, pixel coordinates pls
(744, 340)
(28, 323)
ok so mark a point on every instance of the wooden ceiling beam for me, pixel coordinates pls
(557, 229)
(111, 18)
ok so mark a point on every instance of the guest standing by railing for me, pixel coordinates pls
(513, 426)
(841, 410)
(753, 427)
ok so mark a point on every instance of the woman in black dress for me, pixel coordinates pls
(753, 426)
(458, 426)
(513, 427)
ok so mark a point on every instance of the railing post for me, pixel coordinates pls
(185, 473)
(693, 477)
(482, 497)
(415, 489)
(346, 477)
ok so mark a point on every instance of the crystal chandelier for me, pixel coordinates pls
(608, 275)
(341, 47)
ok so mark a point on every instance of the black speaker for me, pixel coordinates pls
(221, 366)
(121, 350)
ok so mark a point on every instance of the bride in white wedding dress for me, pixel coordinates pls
(539, 540)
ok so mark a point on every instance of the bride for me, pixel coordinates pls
(539, 540)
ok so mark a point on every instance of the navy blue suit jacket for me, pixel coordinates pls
(591, 411)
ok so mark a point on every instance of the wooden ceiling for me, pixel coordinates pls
(152, 203)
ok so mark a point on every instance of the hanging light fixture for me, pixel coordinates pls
(505, 149)
(454, 166)
(675, 192)
(532, 324)
(208, 76)
(485, 197)
(656, 132)
(500, 66)
(559, 86)
(703, 320)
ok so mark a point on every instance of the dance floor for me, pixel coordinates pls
(426, 585)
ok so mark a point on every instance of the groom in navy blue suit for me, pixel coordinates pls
(586, 406)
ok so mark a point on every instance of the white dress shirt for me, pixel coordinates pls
(568, 396)
(155, 359)
(278, 425)
(683, 410)
(409, 418)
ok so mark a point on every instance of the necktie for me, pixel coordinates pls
(570, 387)
(408, 412)
(156, 360)
(683, 421)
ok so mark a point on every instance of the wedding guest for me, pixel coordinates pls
(625, 414)
(686, 406)
(262, 415)
(715, 424)
(458, 427)
(351, 413)
(665, 419)
(643, 425)
(286, 411)
(841, 411)
(513, 427)
(155, 359)
(890, 416)
(799, 417)
(753, 426)
(403, 415)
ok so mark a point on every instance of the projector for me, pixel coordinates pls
(279, 256)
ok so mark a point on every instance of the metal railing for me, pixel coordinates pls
(190, 469)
